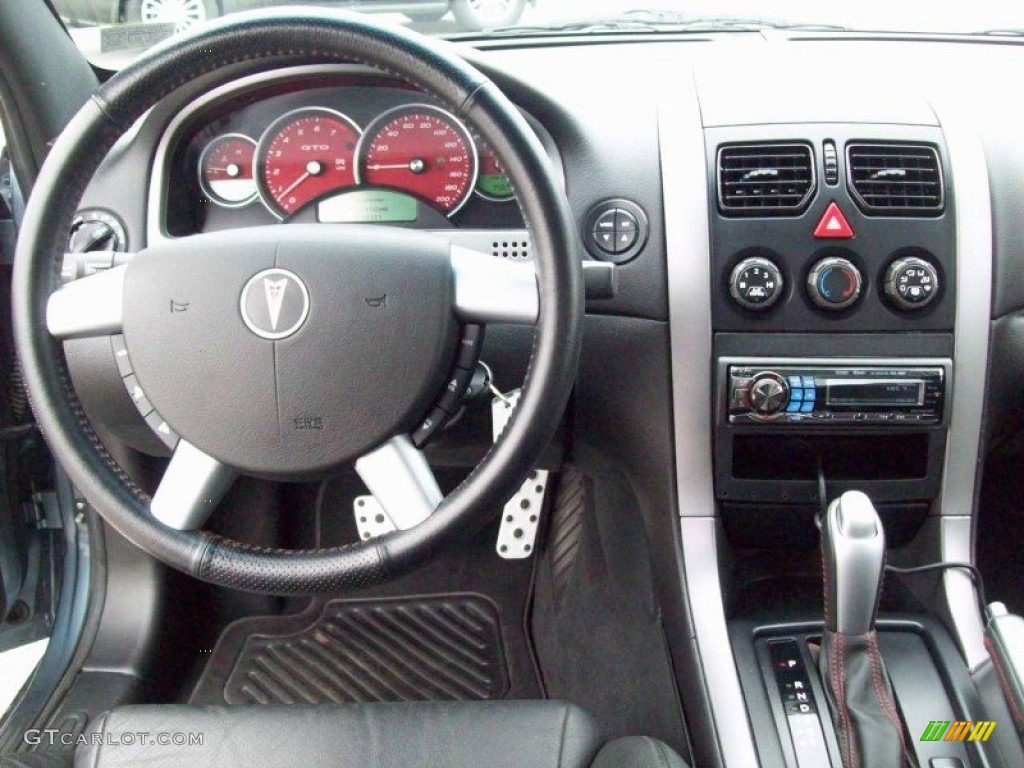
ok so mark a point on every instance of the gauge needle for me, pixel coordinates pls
(294, 184)
(313, 168)
(415, 165)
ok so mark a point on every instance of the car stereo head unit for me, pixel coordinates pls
(768, 392)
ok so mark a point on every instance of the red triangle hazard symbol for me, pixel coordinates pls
(833, 224)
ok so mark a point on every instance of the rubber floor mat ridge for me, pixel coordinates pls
(432, 648)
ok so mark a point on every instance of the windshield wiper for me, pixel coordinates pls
(655, 21)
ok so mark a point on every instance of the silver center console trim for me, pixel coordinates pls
(684, 174)
(956, 503)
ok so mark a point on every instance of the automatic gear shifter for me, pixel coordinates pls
(856, 683)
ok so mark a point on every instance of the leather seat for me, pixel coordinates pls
(509, 734)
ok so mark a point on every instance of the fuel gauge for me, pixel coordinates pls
(226, 170)
(492, 183)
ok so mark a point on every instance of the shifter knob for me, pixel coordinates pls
(853, 552)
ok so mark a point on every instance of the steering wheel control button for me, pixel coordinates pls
(834, 283)
(756, 283)
(911, 283)
(275, 303)
(124, 364)
(615, 231)
(833, 225)
(137, 395)
(769, 393)
(162, 430)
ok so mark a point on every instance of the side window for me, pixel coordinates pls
(29, 543)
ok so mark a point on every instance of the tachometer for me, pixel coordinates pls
(421, 150)
(303, 155)
(226, 170)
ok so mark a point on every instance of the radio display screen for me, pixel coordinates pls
(858, 394)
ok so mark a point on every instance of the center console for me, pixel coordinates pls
(846, 295)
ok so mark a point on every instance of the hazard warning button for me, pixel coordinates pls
(833, 224)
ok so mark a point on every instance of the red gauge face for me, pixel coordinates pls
(303, 156)
(226, 170)
(423, 151)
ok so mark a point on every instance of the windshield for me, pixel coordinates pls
(113, 32)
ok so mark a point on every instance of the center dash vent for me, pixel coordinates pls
(765, 179)
(895, 179)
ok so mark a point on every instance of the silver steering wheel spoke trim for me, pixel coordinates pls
(191, 488)
(492, 290)
(90, 306)
(398, 476)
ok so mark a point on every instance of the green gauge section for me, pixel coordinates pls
(491, 182)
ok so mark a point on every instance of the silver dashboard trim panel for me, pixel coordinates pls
(956, 504)
(687, 237)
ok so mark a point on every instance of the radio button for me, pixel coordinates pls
(809, 395)
(807, 407)
(793, 407)
(768, 393)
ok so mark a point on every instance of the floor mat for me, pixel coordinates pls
(435, 648)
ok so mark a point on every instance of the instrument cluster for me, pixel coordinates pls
(355, 152)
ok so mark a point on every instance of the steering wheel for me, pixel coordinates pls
(285, 326)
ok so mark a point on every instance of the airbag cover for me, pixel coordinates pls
(291, 387)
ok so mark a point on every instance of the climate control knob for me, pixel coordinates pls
(755, 283)
(911, 283)
(769, 393)
(834, 283)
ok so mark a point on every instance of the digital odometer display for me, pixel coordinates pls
(423, 151)
(368, 206)
(304, 155)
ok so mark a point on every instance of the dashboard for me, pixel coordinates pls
(723, 303)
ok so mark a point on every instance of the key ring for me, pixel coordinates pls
(491, 386)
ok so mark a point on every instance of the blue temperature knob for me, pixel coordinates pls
(834, 283)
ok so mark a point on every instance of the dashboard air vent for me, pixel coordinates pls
(764, 179)
(895, 179)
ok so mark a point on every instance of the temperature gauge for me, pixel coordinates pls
(226, 170)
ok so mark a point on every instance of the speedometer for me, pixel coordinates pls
(303, 155)
(423, 151)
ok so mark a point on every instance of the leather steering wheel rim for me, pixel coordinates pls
(255, 42)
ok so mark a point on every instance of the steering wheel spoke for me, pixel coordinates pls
(401, 481)
(191, 488)
(90, 306)
(491, 290)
